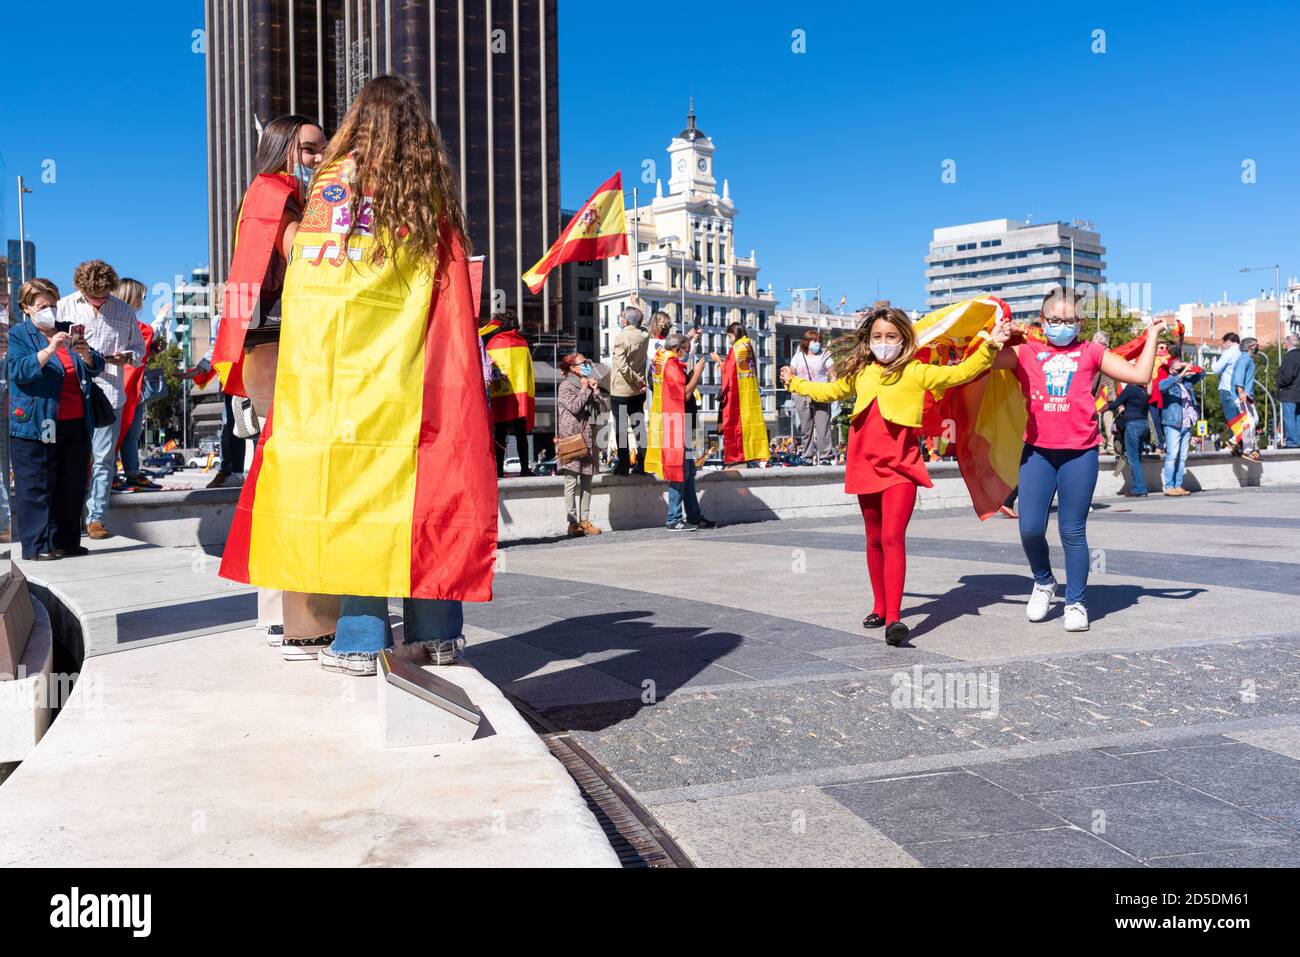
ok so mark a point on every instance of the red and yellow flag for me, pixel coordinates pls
(597, 231)
(255, 234)
(133, 387)
(514, 392)
(375, 472)
(740, 418)
(1238, 423)
(666, 441)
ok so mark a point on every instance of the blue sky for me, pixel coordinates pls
(834, 155)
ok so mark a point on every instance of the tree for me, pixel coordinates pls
(165, 413)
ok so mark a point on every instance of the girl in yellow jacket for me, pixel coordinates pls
(884, 465)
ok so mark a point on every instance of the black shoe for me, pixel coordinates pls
(76, 551)
(683, 527)
(705, 523)
(873, 621)
(896, 634)
(47, 557)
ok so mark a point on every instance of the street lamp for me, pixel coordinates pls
(22, 234)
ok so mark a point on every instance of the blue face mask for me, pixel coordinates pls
(814, 347)
(1061, 335)
(304, 174)
(586, 368)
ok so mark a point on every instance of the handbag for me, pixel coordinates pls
(153, 387)
(572, 448)
(101, 410)
(245, 419)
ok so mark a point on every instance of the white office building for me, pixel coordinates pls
(683, 259)
(1014, 261)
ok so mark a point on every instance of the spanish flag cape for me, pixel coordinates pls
(255, 233)
(375, 474)
(133, 386)
(666, 439)
(984, 419)
(744, 433)
(514, 391)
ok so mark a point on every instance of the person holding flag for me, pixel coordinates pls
(1178, 414)
(740, 405)
(513, 391)
(878, 364)
(1059, 455)
(671, 451)
(373, 476)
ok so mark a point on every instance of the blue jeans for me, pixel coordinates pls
(1229, 402)
(103, 464)
(1135, 433)
(1291, 424)
(683, 493)
(1153, 414)
(1070, 476)
(363, 622)
(130, 449)
(1177, 442)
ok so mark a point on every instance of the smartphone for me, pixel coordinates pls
(78, 331)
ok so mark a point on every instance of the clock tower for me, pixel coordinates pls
(691, 156)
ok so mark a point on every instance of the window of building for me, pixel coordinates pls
(647, 275)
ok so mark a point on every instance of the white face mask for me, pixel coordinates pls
(44, 319)
(886, 352)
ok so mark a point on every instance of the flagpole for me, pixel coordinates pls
(636, 248)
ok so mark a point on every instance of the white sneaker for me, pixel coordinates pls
(1076, 617)
(1040, 600)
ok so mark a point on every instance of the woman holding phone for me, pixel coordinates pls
(50, 423)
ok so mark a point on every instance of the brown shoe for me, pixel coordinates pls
(1173, 492)
(589, 529)
(575, 530)
(218, 480)
(96, 530)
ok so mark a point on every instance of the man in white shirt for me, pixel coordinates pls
(113, 332)
(1223, 367)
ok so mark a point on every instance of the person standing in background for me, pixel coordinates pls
(513, 391)
(1288, 392)
(132, 292)
(111, 330)
(1243, 384)
(1178, 414)
(578, 402)
(1133, 401)
(1223, 368)
(627, 388)
(813, 364)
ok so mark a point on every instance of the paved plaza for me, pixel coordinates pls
(725, 679)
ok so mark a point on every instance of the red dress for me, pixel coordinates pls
(881, 454)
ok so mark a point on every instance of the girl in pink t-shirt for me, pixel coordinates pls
(1061, 438)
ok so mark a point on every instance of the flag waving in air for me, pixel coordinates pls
(597, 231)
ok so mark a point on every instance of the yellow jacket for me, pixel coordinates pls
(901, 396)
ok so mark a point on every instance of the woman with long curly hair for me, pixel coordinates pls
(885, 467)
(374, 478)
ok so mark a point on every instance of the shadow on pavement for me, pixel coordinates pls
(974, 593)
(625, 663)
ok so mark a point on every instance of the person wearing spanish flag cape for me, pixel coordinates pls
(373, 478)
(513, 390)
(1059, 455)
(672, 449)
(740, 411)
(877, 363)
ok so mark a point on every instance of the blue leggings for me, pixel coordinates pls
(1069, 475)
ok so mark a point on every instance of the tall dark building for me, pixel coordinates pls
(487, 68)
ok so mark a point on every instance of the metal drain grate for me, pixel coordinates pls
(631, 830)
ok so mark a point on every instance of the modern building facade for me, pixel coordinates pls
(14, 265)
(1205, 324)
(683, 259)
(487, 68)
(1014, 261)
(194, 313)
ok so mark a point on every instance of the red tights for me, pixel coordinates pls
(886, 515)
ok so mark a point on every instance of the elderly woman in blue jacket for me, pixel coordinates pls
(51, 419)
(1177, 418)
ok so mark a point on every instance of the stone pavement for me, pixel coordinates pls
(724, 677)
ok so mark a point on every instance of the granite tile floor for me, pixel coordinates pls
(724, 677)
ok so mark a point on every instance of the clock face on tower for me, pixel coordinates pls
(681, 165)
(702, 164)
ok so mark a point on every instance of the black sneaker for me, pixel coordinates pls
(304, 649)
(76, 551)
(683, 527)
(705, 523)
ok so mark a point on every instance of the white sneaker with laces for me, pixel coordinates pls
(1076, 617)
(1040, 601)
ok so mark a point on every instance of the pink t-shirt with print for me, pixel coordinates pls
(1057, 383)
